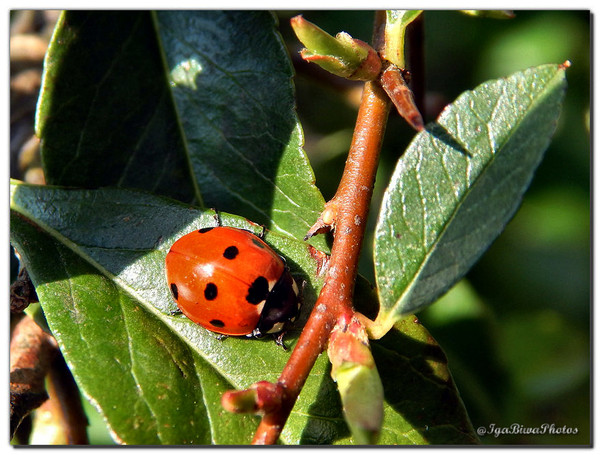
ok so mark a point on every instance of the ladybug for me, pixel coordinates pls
(231, 282)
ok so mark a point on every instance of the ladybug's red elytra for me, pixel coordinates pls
(231, 282)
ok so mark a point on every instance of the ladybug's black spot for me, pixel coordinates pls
(258, 291)
(174, 291)
(230, 252)
(210, 291)
(205, 230)
(217, 323)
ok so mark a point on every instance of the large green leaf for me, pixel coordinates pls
(105, 115)
(196, 105)
(232, 85)
(96, 258)
(457, 186)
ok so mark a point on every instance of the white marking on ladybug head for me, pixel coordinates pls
(278, 327)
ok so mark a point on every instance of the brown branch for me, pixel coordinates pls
(349, 207)
(65, 403)
(31, 353)
(22, 292)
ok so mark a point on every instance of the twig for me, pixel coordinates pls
(31, 353)
(349, 209)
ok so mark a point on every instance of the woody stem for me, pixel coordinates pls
(354, 197)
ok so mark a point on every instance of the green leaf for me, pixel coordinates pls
(96, 258)
(427, 411)
(231, 80)
(195, 105)
(105, 115)
(457, 186)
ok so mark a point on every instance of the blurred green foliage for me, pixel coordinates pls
(517, 329)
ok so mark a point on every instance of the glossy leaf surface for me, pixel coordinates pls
(105, 115)
(231, 80)
(457, 186)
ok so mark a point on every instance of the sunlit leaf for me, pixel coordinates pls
(195, 105)
(457, 186)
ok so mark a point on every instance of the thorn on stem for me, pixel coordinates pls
(325, 222)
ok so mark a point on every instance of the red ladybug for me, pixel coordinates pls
(231, 282)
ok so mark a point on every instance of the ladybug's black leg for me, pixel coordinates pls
(176, 312)
(217, 218)
(221, 336)
(279, 340)
(263, 232)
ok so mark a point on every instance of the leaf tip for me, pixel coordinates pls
(566, 64)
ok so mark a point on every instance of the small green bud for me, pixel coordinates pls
(359, 384)
(396, 22)
(260, 398)
(341, 55)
